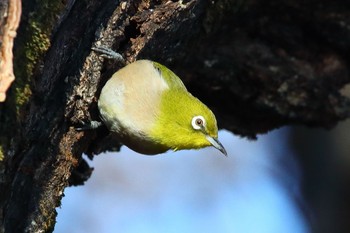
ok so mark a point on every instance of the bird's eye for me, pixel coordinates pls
(198, 122)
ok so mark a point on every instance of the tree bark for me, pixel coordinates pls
(258, 65)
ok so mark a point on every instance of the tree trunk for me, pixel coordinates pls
(258, 65)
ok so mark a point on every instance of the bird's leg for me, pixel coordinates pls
(108, 53)
(89, 125)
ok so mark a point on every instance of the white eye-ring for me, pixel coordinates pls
(198, 122)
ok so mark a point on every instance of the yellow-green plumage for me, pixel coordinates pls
(173, 126)
(150, 110)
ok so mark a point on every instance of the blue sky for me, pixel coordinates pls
(189, 191)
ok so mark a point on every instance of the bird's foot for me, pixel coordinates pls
(108, 53)
(89, 125)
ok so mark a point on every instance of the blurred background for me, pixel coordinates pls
(288, 180)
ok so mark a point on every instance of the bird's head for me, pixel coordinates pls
(184, 122)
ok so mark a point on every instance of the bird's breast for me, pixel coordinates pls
(130, 100)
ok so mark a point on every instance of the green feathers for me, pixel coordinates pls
(173, 127)
(173, 81)
(177, 108)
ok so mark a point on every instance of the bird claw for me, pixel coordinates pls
(108, 53)
(89, 125)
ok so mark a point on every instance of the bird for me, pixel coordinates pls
(149, 109)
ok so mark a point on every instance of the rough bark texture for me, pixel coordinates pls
(258, 64)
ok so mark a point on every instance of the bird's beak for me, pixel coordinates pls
(215, 143)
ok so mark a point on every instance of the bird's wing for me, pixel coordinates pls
(170, 78)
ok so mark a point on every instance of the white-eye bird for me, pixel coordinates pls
(151, 111)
